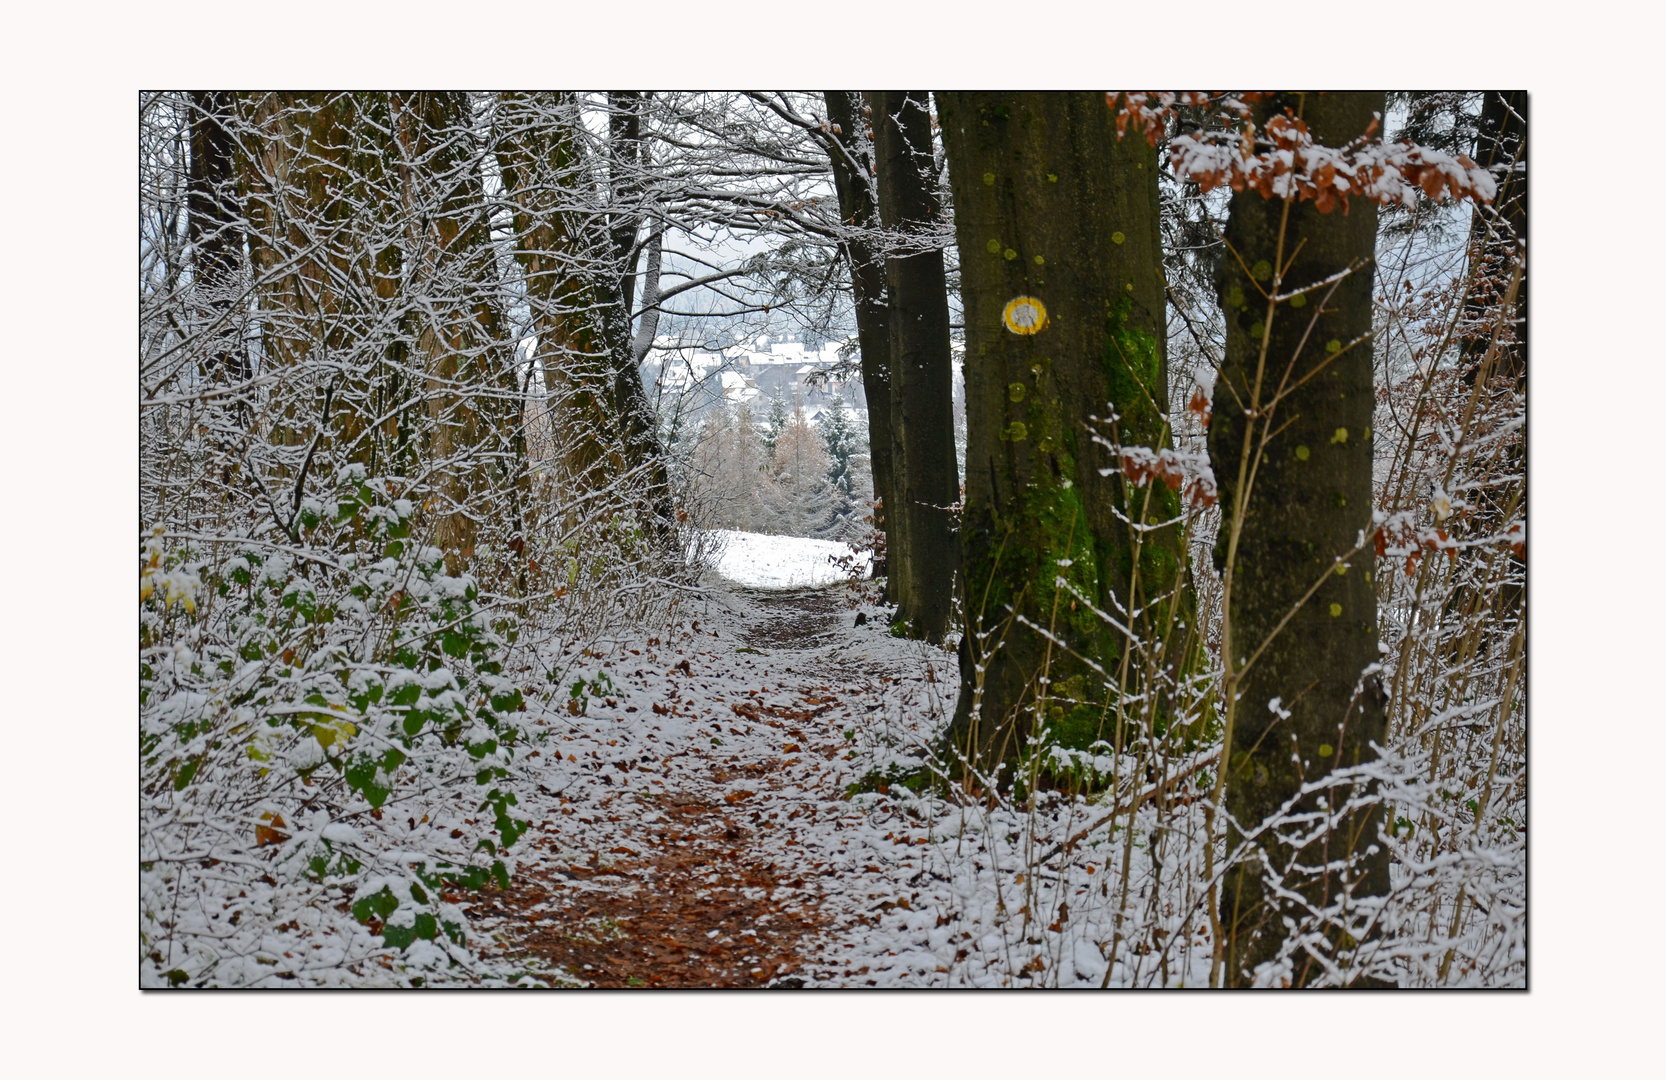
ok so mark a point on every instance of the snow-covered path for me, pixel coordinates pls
(757, 561)
(691, 824)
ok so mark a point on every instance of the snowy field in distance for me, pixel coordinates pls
(759, 561)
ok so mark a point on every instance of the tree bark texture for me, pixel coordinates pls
(1498, 240)
(543, 178)
(638, 426)
(1302, 369)
(377, 283)
(1498, 233)
(474, 396)
(215, 230)
(856, 193)
(925, 477)
(1054, 213)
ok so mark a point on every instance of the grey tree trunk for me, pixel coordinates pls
(925, 478)
(214, 230)
(1054, 214)
(1291, 448)
(855, 188)
(1499, 233)
(544, 178)
(630, 405)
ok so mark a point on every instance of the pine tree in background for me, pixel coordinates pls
(839, 441)
(838, 438)
(802, 497)
(776, 423)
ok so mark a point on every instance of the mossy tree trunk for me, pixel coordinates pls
(853, 180)
(1291, 448)
(1062, 283)
(924, 478)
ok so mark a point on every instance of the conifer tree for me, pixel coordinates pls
(839, 441)
(776, 422)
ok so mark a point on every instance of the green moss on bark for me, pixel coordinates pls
(1079, 209)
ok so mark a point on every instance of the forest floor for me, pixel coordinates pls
(691, 818)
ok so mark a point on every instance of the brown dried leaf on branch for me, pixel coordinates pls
(1400, 535)
(1200, 406)
(271, 832)
(1141, 465)
(1283, 161)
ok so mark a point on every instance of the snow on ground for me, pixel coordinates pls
(693, 823)
(759, 561)
(690, 824)
(707, 806)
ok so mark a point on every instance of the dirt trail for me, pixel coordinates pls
(795, 620)
(688, 894)
(660, 918)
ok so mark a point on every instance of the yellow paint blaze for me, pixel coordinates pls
(1025, 315)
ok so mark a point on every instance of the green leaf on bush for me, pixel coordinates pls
(380, 904)
(473, 878)
(361, 777)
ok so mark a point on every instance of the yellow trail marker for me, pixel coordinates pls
(1025, 315)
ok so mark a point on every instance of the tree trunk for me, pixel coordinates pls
(1498, 234)
(215, 230)
(543, 179)
(451, 277)
(1056, 215)
(378, 290)
(924, 475)
(1498, 240)
(631, 407)
(1292, 451)
(856, 192)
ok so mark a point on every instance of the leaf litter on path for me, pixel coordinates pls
(691, 828)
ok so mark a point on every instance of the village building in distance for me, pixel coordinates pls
(690, 380)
